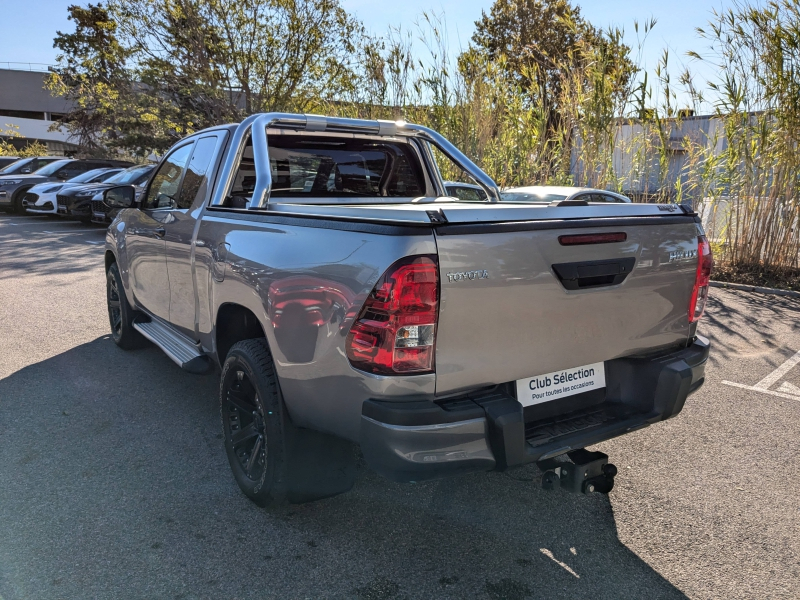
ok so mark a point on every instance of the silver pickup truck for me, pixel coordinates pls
(348, 300)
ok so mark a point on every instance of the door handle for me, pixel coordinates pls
(219, 255)
(594, 273)
(157, 232)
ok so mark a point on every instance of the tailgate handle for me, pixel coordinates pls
(593, 273)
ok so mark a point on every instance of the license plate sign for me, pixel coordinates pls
(567, 382)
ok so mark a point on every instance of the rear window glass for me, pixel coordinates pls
(325, 167)
(521, 197)
(48, 170)
(87, 176)
(16, 166)
(468, 194)
(132, 176)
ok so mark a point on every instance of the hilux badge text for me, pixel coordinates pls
(682, 254)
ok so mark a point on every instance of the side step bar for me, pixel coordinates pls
(183, 352)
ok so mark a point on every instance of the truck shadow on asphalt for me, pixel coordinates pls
(114, 483)
(48, 254)
(744, 323)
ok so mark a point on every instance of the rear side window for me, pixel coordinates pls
(326, 167)
(105, 175)
(73, 169)
(467, 194)
(38, 163)
(195, 182)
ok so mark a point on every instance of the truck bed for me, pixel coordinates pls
(505, 313)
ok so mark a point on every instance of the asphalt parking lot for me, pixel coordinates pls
(114, 482)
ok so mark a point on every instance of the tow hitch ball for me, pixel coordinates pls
(587, 473)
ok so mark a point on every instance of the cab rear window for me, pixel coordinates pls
(325, 167)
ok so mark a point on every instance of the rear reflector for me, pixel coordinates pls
(395, 332)
(592, 238)
(705, 263)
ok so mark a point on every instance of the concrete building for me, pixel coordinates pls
(28, 109)
(637, 160)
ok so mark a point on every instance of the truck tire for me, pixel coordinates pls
(273, 461)
(120, 313)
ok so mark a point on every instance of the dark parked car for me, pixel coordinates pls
(544, 194)
(13, 188)
(41, 198)
(7, 160)
(135, 176)
(25, 166)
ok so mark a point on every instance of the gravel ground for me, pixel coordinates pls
(114, 481)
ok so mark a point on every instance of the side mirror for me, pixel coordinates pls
(25, 171)
(123, 196)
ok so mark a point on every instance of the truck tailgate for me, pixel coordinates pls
(507, 313)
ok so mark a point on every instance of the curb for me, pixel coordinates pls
(758, 290)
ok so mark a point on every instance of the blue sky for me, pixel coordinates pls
(35, 23)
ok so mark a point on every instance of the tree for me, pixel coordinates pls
(143, 74)
(205, 62)
(9, 149)
(91, 75)
(541, 42)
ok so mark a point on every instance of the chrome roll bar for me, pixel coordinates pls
(458, 157)
(257, 125)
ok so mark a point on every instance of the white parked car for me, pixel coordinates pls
(41, 198)
(551, 193)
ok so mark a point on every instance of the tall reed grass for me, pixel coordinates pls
(613, 130)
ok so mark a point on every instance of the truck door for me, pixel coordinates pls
(146, 230)
(179, 231)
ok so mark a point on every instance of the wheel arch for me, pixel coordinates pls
(234, 323)
(18, 194)
(109, 259)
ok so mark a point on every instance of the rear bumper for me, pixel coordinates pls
(413, 441)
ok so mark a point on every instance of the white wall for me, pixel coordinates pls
(34, 129)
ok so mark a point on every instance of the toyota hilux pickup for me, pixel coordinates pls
(348, 300)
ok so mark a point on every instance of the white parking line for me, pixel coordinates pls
(786, 390)
(753, 388)
(561, 564)
(773, 377)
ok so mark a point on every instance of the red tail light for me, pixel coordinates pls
(705, 263)
(395, 331)
(592, 238)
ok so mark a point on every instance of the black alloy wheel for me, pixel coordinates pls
(244, 417)
(114, 308)
(120, 313)
(273, 461)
